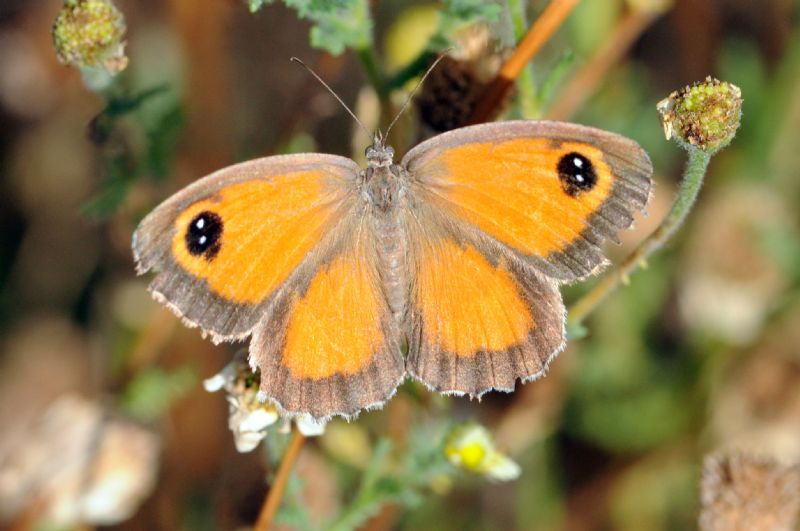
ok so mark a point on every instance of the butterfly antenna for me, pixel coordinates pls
(296, 60)
(418, 85)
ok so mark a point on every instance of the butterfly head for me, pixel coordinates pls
(379, 154)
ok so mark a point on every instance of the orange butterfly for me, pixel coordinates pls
(452, 257)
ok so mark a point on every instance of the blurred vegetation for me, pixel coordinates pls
(698, 353)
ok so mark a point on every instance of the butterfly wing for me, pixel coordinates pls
(224, 245)
(270, 248)
(332, 347)
(545, 193)
(478, 321)
(503, 212)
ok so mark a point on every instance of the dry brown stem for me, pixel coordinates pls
(539, 33)
(590, 76)
(275, 494)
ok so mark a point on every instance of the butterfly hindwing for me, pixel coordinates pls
(478, 321)
(223, 246)
(331, 346)
(547, 192)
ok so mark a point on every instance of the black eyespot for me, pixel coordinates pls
(576, 173)
(203, 235)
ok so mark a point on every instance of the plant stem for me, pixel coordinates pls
(539, 33)
(527, 86)
(586, 81)
(373, 72)
(687, 194)
(416, 67)
(275, 493)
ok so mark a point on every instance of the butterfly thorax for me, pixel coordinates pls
(383, 182)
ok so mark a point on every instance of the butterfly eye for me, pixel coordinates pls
(203, 235)
(577, 174)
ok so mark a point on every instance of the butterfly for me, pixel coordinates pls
(443, 268)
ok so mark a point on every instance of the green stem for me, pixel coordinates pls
(526, 83)
(416, 67)
(373, 72)
(687, 194)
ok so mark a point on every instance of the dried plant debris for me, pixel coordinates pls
(740, 492)
(79, 465)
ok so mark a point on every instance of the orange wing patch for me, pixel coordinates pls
(336, 327)
(466, 304)
(512, 191)
(266, 228)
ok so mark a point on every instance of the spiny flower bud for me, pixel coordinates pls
(89, 34)
(705, 115)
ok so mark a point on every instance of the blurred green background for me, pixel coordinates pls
(699, 353)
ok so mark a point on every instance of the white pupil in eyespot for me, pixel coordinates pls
(577, 162)
(202, 240)
(579, 178)
(200, 223)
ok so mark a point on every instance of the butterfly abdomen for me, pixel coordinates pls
(388, 200)
(391, 250)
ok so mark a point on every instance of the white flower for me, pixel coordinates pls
(251, 414)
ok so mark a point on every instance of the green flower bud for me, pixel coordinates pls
(89, 34)
(705, 115)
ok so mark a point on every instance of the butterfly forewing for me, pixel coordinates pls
(548, 192)
(225, 244)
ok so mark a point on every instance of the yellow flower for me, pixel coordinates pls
(470, 446)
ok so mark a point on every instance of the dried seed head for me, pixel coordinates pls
(453, 89)
(739, 491)
(705, 115)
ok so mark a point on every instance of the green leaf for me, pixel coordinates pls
(336, 24)
(554, 76)
(122, 104)
(163, 140)
(293, 512)
(255, 5)
(344, 24)
(114, 190)
(576, 330)
(375, 490)
(458, 13)
(153, 391)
